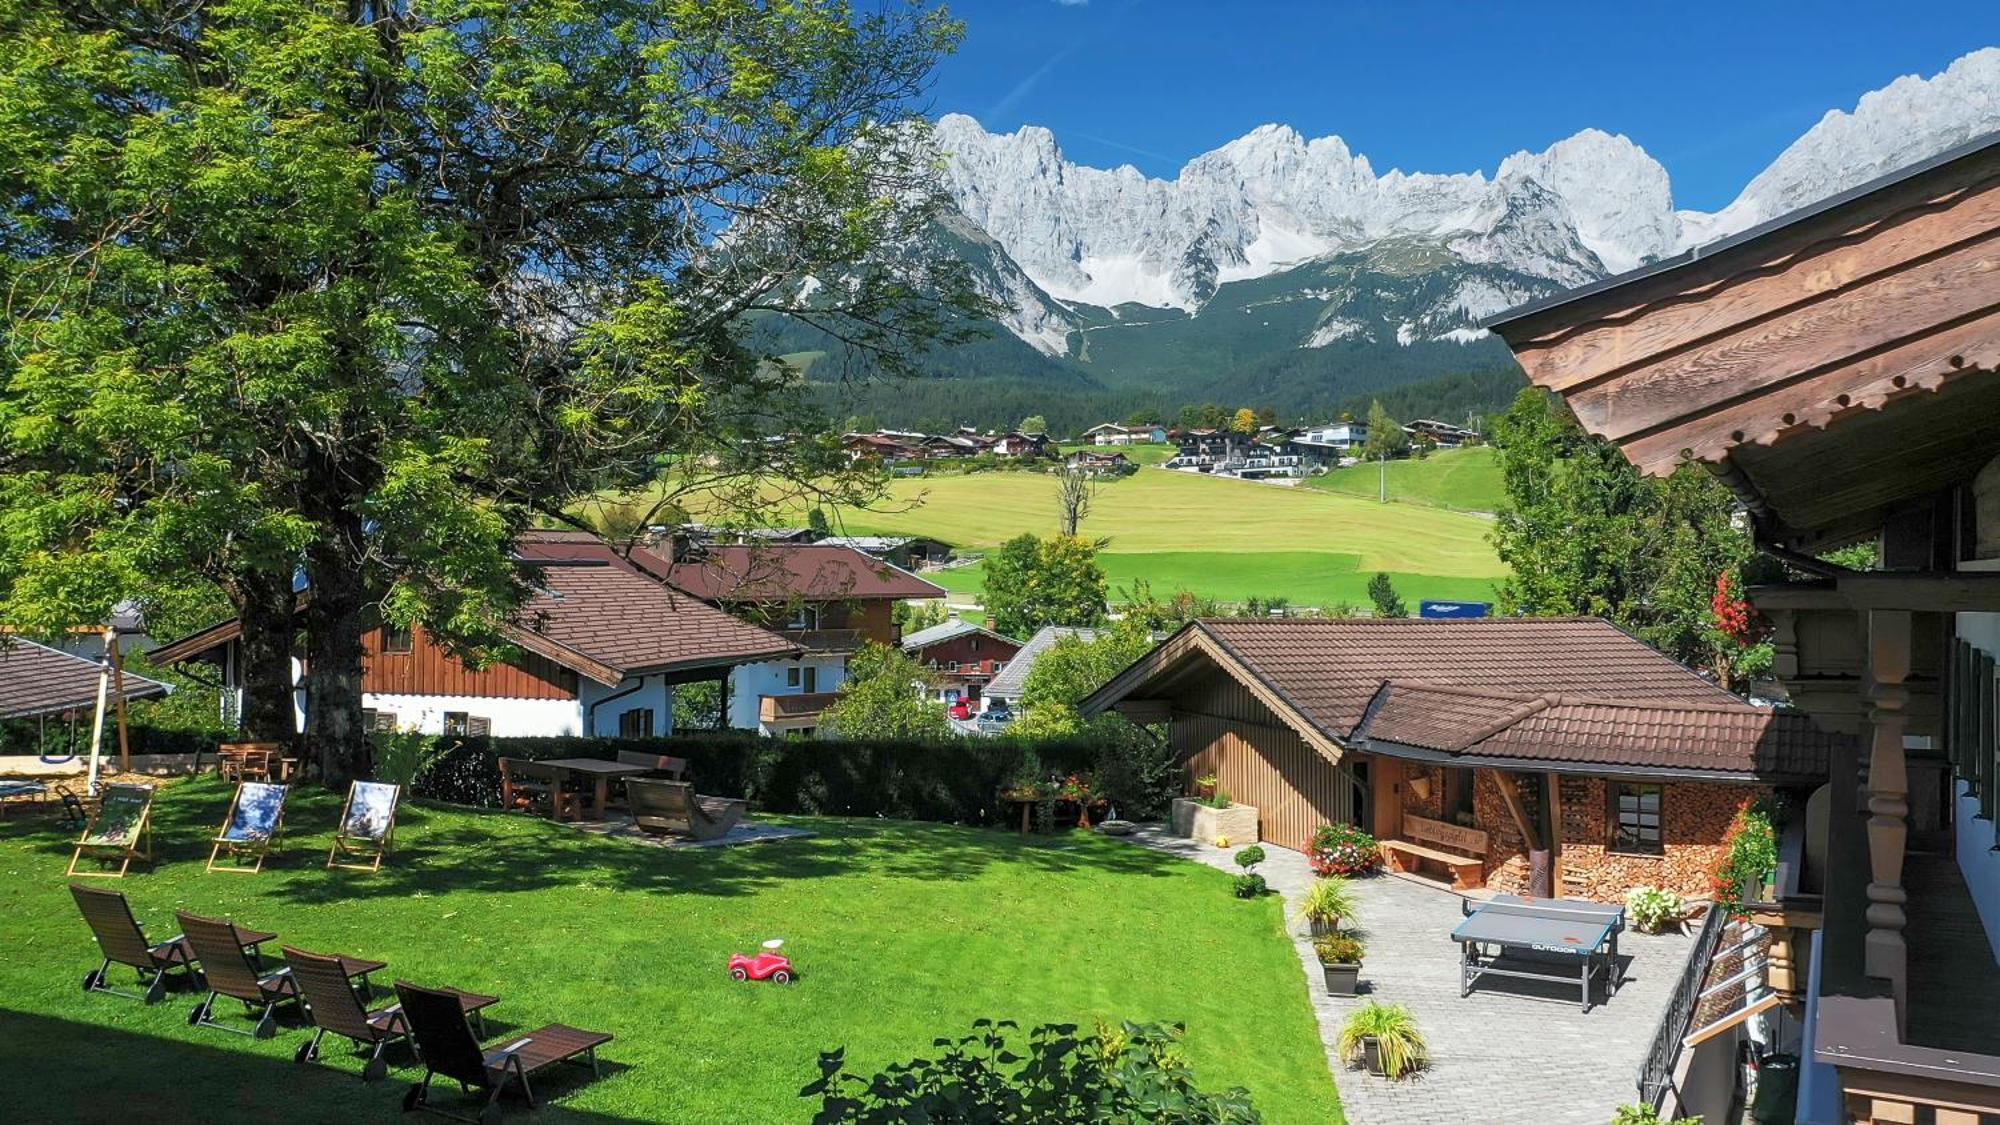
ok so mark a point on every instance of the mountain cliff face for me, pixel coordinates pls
(1091, 249)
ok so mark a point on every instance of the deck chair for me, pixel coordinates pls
(445, 1041)
(231, 970)
(527, 784)
(367, 821)
(332, 1005)
(660, 806)
(122, 830)
(255, 814)
(123, 942)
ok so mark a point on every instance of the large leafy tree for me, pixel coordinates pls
(1033, 582)
(1583, 532)
(355, 291)
(1072, 668)
(1386, 438)
(887, 696)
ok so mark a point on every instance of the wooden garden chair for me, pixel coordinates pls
(332, 1005)
(230, 968)
(123, 941)
(246, 761)
(256, 813)
(531, 785)
(446, 1043)
(122, 830)
(657, 765)
(660, 806)
(367, 821)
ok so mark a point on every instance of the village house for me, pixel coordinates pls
(1839, 369)
(828, 600)
(1111, 433)
(1439, 435)
(1100, 464)
(907, 551)
(963, 657)
(1544, 755)
(881, 447)
(1004, 691)
(1329, 445)
(601, 646)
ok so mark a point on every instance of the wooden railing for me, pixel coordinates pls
(790, 708)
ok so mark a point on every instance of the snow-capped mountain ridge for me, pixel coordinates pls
(1588, 206)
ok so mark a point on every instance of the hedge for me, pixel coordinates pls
(955, 781)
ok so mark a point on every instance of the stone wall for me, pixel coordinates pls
(1695, 817)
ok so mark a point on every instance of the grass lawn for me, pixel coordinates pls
(1306, 577)
(902, 931)
(1464, 479)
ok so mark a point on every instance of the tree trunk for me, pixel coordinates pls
(335, 621)
(270, 632)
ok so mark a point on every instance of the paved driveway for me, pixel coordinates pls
(1513, 1051)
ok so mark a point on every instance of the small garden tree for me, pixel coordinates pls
(887, 695)
(1034, 582)
(1382, 592)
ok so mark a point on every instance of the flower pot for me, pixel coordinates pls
(1342, 980)
(1200, 822)
(1371, 1051)
(1320, 927)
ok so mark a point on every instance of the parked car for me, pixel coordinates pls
(994, 719)
(961, 709)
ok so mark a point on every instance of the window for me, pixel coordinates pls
(636, 723)
(395, 638)
(1635, 819)
(811, 678)
(457, 723)
(792, 676)
(804, 617)
(952, 667)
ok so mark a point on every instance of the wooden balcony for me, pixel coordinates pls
(794, 708)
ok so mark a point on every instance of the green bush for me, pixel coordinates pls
(1338, 949)
(1251, 886)
(1653, 909)
(1394, 1029)
(1128, 1073)
(1637, 1114)
(1249, 857)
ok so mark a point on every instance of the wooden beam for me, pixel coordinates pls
(1512, 796)
(1731, 1020)
(1554, 784)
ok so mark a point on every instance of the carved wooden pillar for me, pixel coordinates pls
(1885, 954)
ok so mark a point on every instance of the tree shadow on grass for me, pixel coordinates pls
(101, 1073)
(443, 849)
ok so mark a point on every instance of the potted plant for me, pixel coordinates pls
(1326, 903)
(1654, 909)
(1214, 816)
(1250, 884)
(1385, 1037)
(1340, 960)
(1342, 849)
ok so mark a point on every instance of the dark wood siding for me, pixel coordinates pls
(1220, 728)
(427, 669)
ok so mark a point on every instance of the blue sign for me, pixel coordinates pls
(1454, 609)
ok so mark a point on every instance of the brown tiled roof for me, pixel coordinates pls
(1330, 669)
(619, 617)
(38, 680)
(1714, 738)
(782, 572)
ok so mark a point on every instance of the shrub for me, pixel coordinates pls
(1131, 1072)
(1249, 857)
(1139, 772)
(1328, 901)
(1342, 849)
(1654, 908)
(1338, 949)
(1639, 1114)
(1401, 1046)
(403, 758)
(1752, 855)
(1251, 886)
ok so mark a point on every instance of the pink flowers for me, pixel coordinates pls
(1342, 849)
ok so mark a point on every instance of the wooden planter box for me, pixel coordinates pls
(1199, 822)
(1342, 980)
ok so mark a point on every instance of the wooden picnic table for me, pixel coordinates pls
(599, 771)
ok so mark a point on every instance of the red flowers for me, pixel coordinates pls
(1732, 612)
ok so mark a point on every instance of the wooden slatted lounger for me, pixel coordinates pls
(660, 806)
(445, 1041)
(331, 1005)
(123, 942)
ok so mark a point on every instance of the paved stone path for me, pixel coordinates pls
(1510, 1052)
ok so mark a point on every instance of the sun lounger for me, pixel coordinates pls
(367, 821)
(231, 969)
(256, 813)
(332, 1005)
(122, 830)
(448, 1047)
(660, 806)
(123, 942)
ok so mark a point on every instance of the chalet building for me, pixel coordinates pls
(1201, 449)
(907, 551)
(1544, 755)
(826, 599)
(1839, 369)
(882, 447)
(963, 657)
(1441, 435)
(1100, 464)
(601, 647)
(1111, 433)
(1017, 444)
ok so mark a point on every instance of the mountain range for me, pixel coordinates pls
(1281, 271)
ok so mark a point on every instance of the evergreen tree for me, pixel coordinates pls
(1382, 592)
(1386, 438)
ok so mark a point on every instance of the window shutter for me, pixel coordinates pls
(477, 726)
(1982, 685)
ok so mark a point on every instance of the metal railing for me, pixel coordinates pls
(1656, 1073)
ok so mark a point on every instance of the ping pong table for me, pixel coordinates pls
(1579, 938)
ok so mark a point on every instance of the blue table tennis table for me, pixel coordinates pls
(1578, 938)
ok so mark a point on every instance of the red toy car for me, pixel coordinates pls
(768, 965)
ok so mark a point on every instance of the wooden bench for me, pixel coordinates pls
(1463, 850)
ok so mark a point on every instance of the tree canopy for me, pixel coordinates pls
(1387, 602)
(887, 695)
(1386, 438)
(358, 291)
(1070, 670)
(1584, 533)
(1033, 582)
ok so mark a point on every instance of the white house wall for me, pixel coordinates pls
(749, 682)
(510, 718)
(610, 702)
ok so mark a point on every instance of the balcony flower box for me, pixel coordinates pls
(1196, 821)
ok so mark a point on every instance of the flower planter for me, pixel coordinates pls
(1200, 822)
(1371, 1050)
(1320, 927)
(1342, 980)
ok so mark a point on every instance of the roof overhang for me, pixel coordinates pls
(1829, 366)
(1134, 688)
(1427, 756)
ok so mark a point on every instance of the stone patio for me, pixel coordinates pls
(1511, 1051)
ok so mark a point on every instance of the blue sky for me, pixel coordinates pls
(1713, 90)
